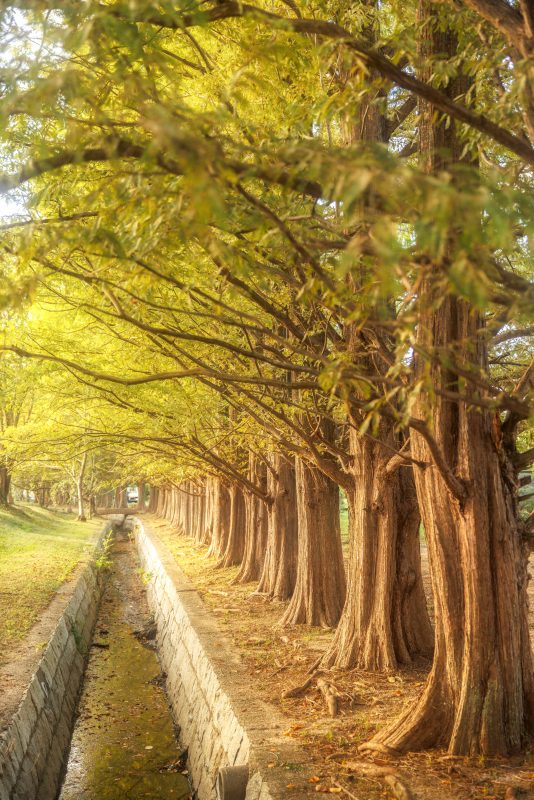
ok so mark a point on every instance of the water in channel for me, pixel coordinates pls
(124, 744)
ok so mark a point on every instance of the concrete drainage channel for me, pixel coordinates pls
(123, 742)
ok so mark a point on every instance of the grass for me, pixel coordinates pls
(39, 550)
(344, 523)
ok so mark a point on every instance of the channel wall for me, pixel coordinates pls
(35, 742)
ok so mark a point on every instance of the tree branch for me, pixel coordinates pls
(370, 57)
(524, 460)
(160, 376)
(456, 486)
(507, 20)
(400, 114)
(118, 149)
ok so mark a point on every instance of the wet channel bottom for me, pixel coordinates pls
(123, 745)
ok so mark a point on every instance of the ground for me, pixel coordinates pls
(279, 659)
(39, 550)
(47, 546)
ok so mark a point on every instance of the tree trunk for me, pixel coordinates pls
(320, 582)
(256, 525)
(162, 502)
(235, 542)
(141, 496)
(79, 488)
(220, 519)
(206, 537)
(413, 634)
(479, 697)
(203, 526)
(175, 509)
(385, 618)
(198, 510)
(5, 484)
(280, 568)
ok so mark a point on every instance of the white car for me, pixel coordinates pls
(132, 496)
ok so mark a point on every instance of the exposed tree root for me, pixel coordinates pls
(391, 777)
(330, 696)
(296, 691)
(315, 665)
(398, 787)
(511, 793)
(346, 791)
(329, 692)
(377, 747)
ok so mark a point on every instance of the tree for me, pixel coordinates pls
(480, 694)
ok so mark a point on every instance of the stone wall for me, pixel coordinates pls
(220, 723)
(34, 746)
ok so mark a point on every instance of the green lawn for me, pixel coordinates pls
(39, 549)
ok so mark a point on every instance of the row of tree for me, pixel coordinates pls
(270, 252)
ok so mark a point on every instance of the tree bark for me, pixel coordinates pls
(320, 582)
(220, 519)
(141, 496)
(385, 618)
(279, 573)
(5, 485)
(235, 542)
(79, 488)
(256, 525)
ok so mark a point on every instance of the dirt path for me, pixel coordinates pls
(279, 658)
